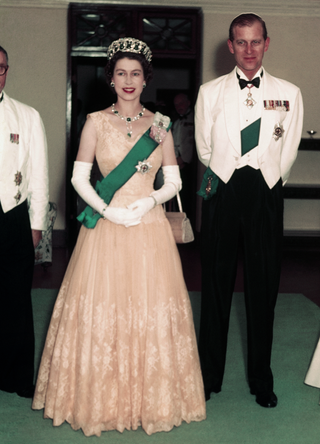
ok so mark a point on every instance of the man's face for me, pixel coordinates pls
(181, 104)
(3, 62)
(248, 48)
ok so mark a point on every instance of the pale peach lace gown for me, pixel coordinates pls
(121, 349)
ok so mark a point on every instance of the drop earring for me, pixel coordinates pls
(144, 84)
(112, 84)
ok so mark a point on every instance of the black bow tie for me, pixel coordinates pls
(243, 83)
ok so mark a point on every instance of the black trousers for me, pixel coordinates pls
(16, 319)
(243, 211)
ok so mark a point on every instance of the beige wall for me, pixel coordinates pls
(36, 40)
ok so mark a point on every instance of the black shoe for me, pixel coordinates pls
(8, 389)
(268, 400)
(26, 392)
(207, 392)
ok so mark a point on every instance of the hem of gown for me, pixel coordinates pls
(156, 428)
(313, 384)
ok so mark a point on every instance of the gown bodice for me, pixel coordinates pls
(112, 147)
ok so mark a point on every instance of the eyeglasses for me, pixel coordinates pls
(3, 70)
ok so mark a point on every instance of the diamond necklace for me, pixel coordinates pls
(128, 120)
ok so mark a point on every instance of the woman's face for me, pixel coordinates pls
(128, 78)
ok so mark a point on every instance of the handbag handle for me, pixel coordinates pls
(179, 203)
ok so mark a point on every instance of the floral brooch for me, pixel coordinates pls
(158, 129)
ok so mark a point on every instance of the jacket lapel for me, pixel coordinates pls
(231, 106)
(267, 117)
(10, 150)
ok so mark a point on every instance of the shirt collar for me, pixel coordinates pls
(243, 76)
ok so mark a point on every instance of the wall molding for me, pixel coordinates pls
(307, 8)
(301, 233)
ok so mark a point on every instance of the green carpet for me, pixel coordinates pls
(233, 417)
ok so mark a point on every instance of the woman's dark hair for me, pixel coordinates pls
(146, 66)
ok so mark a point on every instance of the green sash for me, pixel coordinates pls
(119, 176)
(250, 137)
(209, 184)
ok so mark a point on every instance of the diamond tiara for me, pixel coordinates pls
(129, 44)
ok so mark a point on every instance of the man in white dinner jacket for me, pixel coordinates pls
(23, 216)
(248, 127)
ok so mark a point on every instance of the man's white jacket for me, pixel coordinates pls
(23, 161)
(217, 127)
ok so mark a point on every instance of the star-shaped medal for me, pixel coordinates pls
(18, 178)
(17, 197)
(143, 167)
(278, 131)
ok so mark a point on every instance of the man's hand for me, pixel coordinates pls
(36, 237)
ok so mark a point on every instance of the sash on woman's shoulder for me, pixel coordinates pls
(133, 161)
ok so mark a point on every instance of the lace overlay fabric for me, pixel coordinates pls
(121, 350)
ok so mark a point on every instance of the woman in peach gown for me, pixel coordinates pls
(121, 350)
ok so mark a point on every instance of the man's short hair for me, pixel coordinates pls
(5, 53)
(247, 20)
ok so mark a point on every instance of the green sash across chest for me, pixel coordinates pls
(250, 137)
(119, 176)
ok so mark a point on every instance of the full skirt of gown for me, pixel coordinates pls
(121, 349)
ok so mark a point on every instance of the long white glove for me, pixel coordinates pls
(81, 182)
(120, 216)
(172, 184)
(141, 207)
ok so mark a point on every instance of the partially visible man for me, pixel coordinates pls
(184, 145)
(23, 216)
(248, 129)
